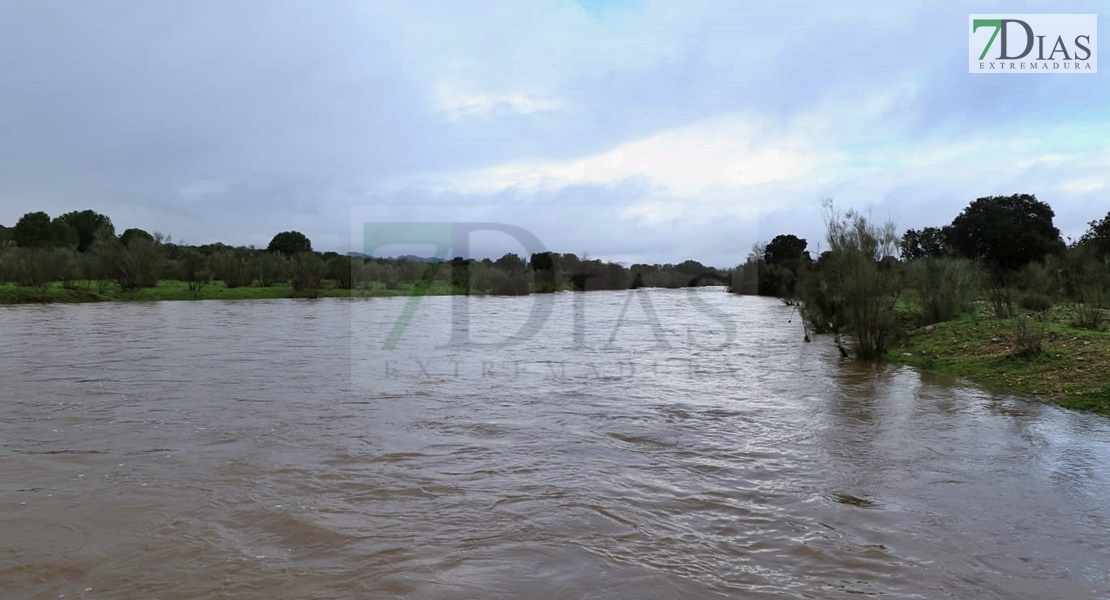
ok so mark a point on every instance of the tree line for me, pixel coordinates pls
(1004, 250)
(80, 250)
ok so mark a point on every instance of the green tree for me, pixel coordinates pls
(783, 260)
(32, 230)
(133, 267)
(511, 264)
(62, 235)
(943, 286)
(88, 223)
(785, 248)
(546, 276)
(1006, 232)
(857, 282)
(233, 266)
(290, 243)
(193, 269)
(309, 272)
(270, 268)
(489, 278)
(37, 266)
(1097, 237)
(929, 242)
(132, 234)
(341, 270)
(460, 274)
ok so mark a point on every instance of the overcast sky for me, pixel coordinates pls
(641, 130)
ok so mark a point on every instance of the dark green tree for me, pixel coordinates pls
(133, 234)
(290, 243)
(193, 269)
(341, 270)
(233, 266)
(270, 268)
(131, 267)
(929, 242)
(1097, 237)
(511, 264)
(32, 230)
(309, 272)
(460, 274)
(88, 223)
(783, 260)
(546, 279)
(1006, 232)
(785, 248)
(62, 235)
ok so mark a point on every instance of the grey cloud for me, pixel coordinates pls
(232, 121)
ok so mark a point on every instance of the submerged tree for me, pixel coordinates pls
(784, 258)
(857, 282)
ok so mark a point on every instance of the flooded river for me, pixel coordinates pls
(641, 444)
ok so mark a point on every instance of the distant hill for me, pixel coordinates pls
(408, 257)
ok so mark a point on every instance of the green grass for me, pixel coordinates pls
(1072, 368)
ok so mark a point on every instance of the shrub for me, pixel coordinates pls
(857, 282)
(271, 268)
(342, 269)
(309, 272)
(133, 267)
(1036, 302)
(1029, 337)
(943, 285)
(500, 283)
(36, 266)
(193, 269)
(1090, 315)
(1087, 280)
(999, 293)
(233, 266)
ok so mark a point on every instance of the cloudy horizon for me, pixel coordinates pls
(642, 131)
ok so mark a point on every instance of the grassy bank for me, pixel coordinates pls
(179, 290)
(1045, 358)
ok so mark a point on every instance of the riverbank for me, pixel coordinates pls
(1044, 358)
(179, 290)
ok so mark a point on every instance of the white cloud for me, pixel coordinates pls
(458, 102)
(1084, 185)
(709, 156)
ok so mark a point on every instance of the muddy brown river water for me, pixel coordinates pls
(641, 444)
